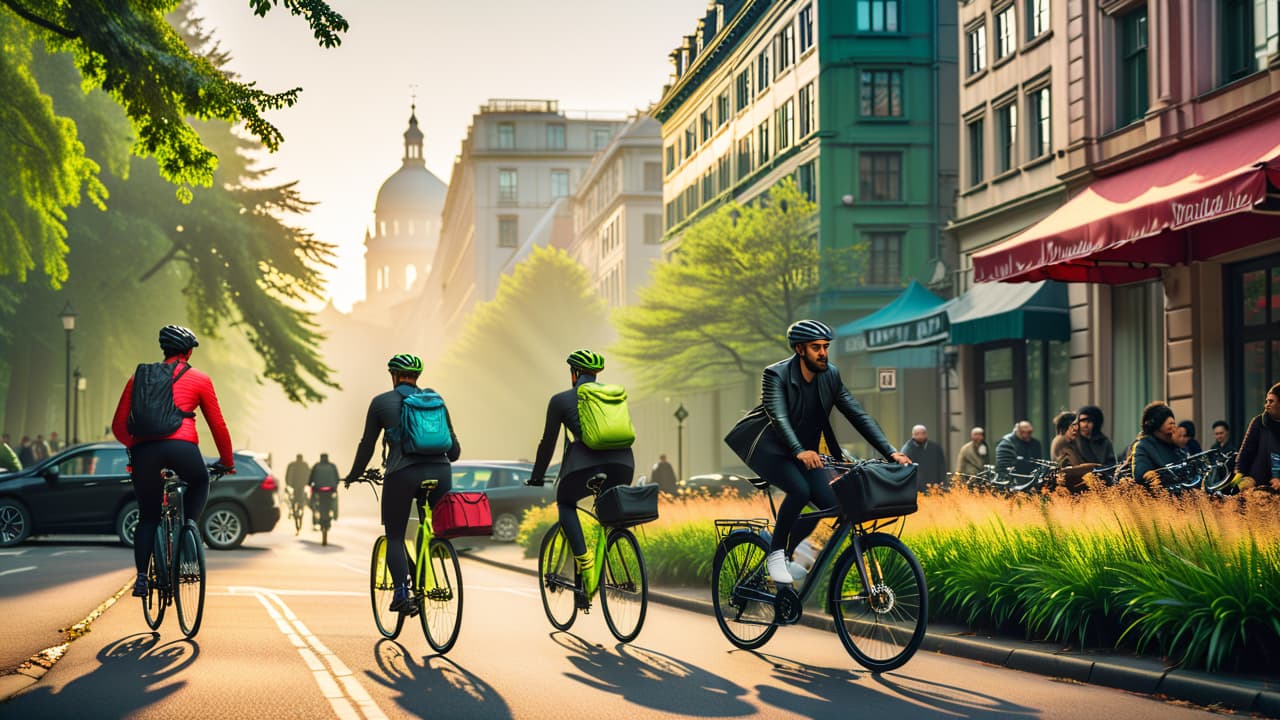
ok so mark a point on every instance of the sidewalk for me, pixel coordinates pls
(1097, 667)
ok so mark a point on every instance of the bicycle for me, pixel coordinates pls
(1041, 475)
(877, 594)
(436, 579)
(619, 576)
(176, 572)
(1207, 470)
(297, 506)
(324, 497)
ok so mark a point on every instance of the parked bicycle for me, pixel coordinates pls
(176, 573)
(619, 575)
(1044, 474)
(435, 575)
(876, 594)
(1209, 471)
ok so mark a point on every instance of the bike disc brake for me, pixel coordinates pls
(787, 606)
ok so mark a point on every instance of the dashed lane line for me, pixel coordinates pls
(18, 570)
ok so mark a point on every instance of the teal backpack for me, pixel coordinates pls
(424, 423)
(604, 417)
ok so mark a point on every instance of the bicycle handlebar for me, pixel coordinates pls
(373, 476)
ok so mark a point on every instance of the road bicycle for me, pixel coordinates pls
(176, 573)
(1044, 473)
(876, 594)
(324, 509)
(297, 506)
(435, 579)
(618, 573)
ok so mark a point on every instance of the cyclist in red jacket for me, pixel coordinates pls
(178, 451)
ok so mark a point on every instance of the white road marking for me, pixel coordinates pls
(69, 552)
(18, 570)
(315, 593)
(349, 700)
(523, 592)
(14, 552)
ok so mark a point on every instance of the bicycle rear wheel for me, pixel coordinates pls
(189, 580)
(881, 626)
(624, 586)
(296, 509)
(153, 603)
(738, 577)
(556, 573)
(381, 589)
(441, 606)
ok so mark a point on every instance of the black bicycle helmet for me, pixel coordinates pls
(586, 361)
(405, 363)
(176, 339)
(808, 331)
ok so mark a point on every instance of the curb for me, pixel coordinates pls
(1205, 689)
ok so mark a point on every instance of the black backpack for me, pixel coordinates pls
(152, 412)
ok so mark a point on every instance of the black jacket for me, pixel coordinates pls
(1012, 452)
(384, 414)
(562, 410)
(1150, 453)
(768, 428)
(1260, 440)
(1096, 449)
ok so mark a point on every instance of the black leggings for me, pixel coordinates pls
(148, 460)
(573, 487)
(399, 490)
(802, 487)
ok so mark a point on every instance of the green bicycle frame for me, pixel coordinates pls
(425, 571)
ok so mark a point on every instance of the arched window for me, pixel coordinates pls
(410, 274)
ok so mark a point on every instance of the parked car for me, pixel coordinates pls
(503, 483)
(86, 489)
(713, 484)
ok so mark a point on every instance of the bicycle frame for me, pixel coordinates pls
(425, 570)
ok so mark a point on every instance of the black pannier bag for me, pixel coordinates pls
(624, 505)
(875, 490)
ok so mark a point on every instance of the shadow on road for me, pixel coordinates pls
(652, 679)
(315, 546)
(823, 692)
(134, 673)
(435, 686)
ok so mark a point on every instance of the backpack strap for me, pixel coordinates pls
(180, 373)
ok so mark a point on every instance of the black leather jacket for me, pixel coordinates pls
(768, 426)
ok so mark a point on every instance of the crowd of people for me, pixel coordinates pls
(28, 451)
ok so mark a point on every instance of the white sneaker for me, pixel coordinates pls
(777, 564)
(796, 571)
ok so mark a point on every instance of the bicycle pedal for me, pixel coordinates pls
(439, 594)
(581, 601)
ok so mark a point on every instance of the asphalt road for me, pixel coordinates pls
(288, 633)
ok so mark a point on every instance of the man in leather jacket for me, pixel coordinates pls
(779, 438)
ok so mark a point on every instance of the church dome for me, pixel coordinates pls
(413, 189)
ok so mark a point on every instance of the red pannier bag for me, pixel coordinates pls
(462, 513)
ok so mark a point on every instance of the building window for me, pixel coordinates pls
(977, 49)
(708, 186)
(1132, 99)
(806, 179)
(652, 177)
(744, 156)
(1007, 125)
(884, 258)
(1006, 32)
(722, 108)
(724, 172)
(784, 120)
(742, 90)
(708, 124)
(1239, 54)
(508, 231)
(807, 118)
(506, 136)
(690, 140)
(508, 186)
(976, 148)
(882, 93)
(784, 49)
(762, 71)
(762, 144)
(806, 27)
(1037, 18)
(652, 229)
(560, 183)
(671, 158)
(555, 137)
(877, 16)
(880, 176)
(1040, 110)
(600, 137)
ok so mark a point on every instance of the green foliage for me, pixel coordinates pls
(721, 306)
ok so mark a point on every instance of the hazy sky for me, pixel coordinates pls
(343, 138)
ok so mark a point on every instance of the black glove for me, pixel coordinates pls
(219, 469)
(535, 482)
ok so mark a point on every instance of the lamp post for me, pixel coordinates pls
(680, 414)
(68, 317)
(81, 383)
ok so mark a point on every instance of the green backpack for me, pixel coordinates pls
(604, 417)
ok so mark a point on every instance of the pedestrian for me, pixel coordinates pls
(1191, 445)
(1018, 451)
(928, 456)
(1091, 443)
(9, 461)
(26, 454)
(973, 455)
(40, 449)
(54, 443)
(296, 477)
(1063, 449)
(1222, 437)
(663, 476)
(1155, 448)
(324, 489)
(1258, 463)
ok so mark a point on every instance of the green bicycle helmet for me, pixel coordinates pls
(586, 361)
(406, 363)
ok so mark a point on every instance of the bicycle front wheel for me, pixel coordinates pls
(883, 625)
(189, 580)
(153, 603)
(441, 612)
(556, 573)
(738, 577)
(297, 518)
(624, 586)
(381, 589)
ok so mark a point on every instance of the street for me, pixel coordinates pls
(288, 633)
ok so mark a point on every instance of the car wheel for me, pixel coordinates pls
(505, 527)
(15, 522)
(127, 523)
(224, 527)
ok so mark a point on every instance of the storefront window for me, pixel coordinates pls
(1137, 332)
(1253, 340)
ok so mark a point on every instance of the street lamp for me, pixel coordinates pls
(68, 317)
(680, 414)
(81, 384)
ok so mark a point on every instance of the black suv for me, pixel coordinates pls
(86, 489)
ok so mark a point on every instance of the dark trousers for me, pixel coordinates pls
(399, 490)
(802, 487)
(573, 487)
(149, 459)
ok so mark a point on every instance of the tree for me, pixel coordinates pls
(509, 357)
(130, 50)
(741, 276)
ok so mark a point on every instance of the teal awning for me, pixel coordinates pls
(916, 317)
(988, 312)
